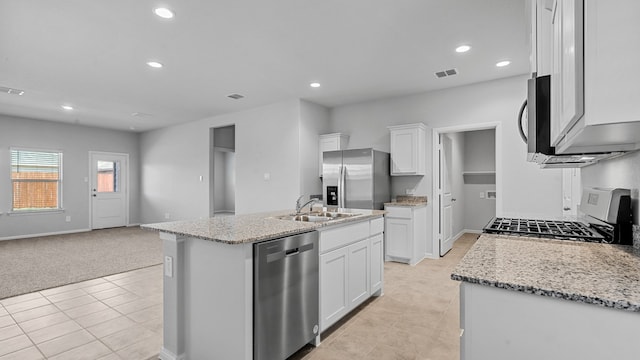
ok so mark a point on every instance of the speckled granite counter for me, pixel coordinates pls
(601, 274)
(408, 201)
(240, 229)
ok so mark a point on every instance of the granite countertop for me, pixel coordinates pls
(408, 201)
(600, 274)
(241, 229)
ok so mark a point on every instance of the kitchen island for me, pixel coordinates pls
(532, 298)
(208, 276)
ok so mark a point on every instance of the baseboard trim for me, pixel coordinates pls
(472, 231)
(44, 234)
(168, 355)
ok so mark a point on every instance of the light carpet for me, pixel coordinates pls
(33, 264)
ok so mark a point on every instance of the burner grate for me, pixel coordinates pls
(556, 229)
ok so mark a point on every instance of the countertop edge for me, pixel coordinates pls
(305, 227)
(406, 204)
(622, 305)
(463, 273)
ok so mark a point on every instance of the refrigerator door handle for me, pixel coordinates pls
(341, 187)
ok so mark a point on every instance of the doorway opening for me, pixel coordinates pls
(467, 181)
(109, 189)
(222, 171)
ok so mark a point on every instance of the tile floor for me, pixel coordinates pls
(417, 318)
(120, 317)
(109, 318)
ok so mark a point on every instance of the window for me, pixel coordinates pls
(36, 177)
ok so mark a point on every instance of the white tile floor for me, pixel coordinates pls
(114, 317)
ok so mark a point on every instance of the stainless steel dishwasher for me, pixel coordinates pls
(285, 300)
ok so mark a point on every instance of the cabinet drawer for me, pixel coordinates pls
(399, 212)
(377, 226)
(333, 238)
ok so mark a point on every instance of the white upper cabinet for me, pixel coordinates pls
(331, 142)
(594, 76)
(541, 37)
(567, 74)
(408, 149)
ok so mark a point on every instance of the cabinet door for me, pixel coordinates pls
(334, 302)
(398, 236)
(568, 90)
(327, 144)
(358, 273)
(404, 151)
(377, 263)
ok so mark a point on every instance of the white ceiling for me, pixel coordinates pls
(92, 54)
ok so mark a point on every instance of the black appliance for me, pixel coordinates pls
(607, 218)
(537, 107)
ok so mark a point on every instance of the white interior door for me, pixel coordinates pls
(446, 197)
(109, 199)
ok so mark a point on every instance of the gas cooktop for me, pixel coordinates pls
(556, 229)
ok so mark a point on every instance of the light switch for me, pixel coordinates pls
(267, 176)
(168, 266)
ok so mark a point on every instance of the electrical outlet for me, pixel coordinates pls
(168, 266)
(267, 176)
(482, 195)
(67, 219)
(410, 191)
(167, 216)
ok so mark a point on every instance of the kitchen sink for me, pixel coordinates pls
(306, 218)
(316, 216)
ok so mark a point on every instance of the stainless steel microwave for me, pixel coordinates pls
(538, 134)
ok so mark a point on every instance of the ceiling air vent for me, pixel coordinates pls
(11, 91)
(445, 73)
(235, 96)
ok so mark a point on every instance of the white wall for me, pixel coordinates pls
(622, 172)
(314, 120)
(75, 142)
(526, 190)
(267, 142)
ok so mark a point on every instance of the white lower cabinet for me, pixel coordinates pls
(359, 286)
(334, 298)
(351, 268)
(377, 262)
(399, 238)
(405, 234)
(500, 324)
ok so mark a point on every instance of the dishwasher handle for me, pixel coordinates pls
(279, 255)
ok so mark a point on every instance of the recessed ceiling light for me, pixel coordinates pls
(67, 107)
(503, 63)
(164, 13)
(463, 48)
(154, 64)
(314, 85)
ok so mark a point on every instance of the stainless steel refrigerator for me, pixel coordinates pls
(356, 179)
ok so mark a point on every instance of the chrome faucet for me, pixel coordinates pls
(300, 205)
